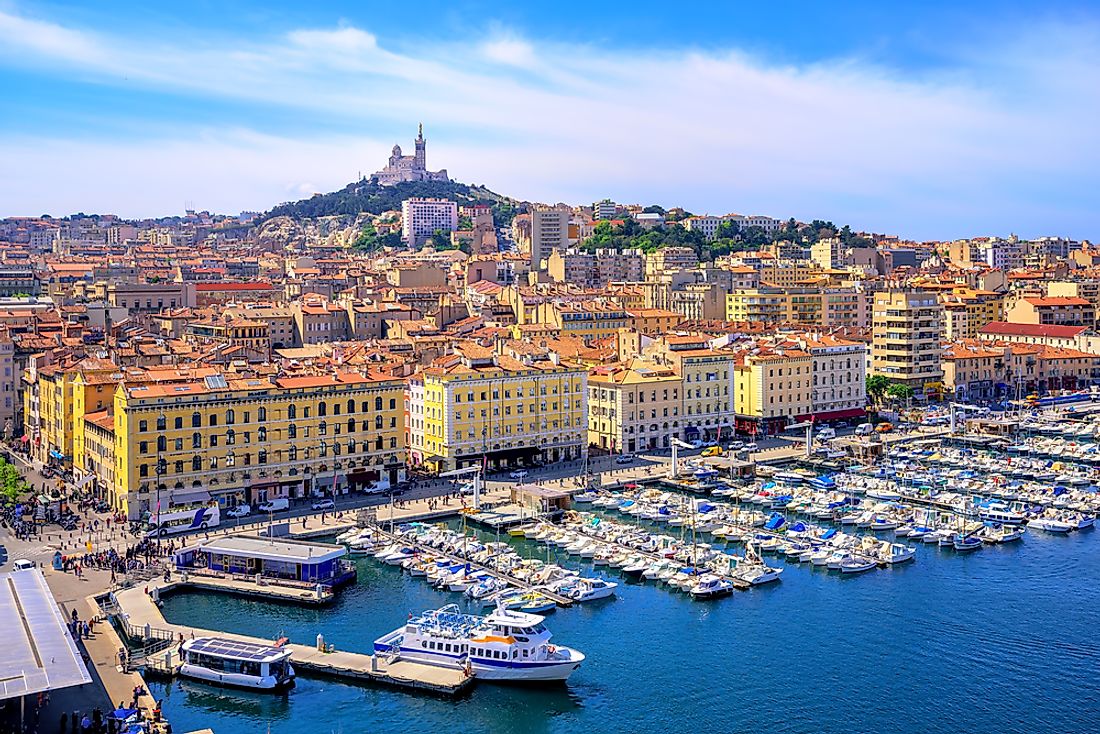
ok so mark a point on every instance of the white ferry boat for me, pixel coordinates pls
(505, 645)
(235, 663)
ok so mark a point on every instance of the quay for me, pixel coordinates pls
(562, 601)
(140, 617)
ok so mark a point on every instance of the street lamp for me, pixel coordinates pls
(162, 467)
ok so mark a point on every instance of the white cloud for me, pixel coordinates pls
(1004, 143)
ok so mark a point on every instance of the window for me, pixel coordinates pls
(378, 403)
(196, 420)
(292, 453)
(178, 422)
(322, 428)
(196, 440)
(322, 409)
(261, 414)
(230, 437)
(143, 447)
(162, 423)
(261, 458)
(292, 431)
(393, 403)
(378, 422)
(292, 411)
(261, 434)
(162, 443)
(143, 426)
(196, 463)
(351, 425)
(213, 419)
(143, 470)
(351, 406)
(230, 417)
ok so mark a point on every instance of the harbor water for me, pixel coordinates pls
(1002, 640)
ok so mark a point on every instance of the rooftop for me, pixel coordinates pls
(251, 546)
(39, 654)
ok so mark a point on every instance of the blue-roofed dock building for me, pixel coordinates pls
(277, 560)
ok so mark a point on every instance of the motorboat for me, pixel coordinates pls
(237, 663)
(857, 564)
(1001, 533)
(506, 645)
(966, 543)
(589, 590)
(710, 586)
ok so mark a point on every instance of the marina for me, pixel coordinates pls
(920, 513)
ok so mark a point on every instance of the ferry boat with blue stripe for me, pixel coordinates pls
(506, 645)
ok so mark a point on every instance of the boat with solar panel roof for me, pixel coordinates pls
(237, 663)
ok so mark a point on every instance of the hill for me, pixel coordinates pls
(371, 198)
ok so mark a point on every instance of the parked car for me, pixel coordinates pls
(696, 444)
(239, 511)
(518, 474)
(736, 445)
(275, 505)
(624, 459)
(884, 427)
(23, 565)
(325, 503)
(750, 446)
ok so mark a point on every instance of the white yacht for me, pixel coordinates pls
(235, 663)
(505, 645)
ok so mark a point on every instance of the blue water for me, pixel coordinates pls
(1001, 640)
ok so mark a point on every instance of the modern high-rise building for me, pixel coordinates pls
(549, 231)
(421, 218)
(907, 331)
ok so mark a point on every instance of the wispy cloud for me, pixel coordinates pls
(969, 149)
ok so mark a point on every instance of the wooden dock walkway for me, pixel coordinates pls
(142, 616)
(562, 601)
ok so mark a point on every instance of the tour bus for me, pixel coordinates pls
(183, 519)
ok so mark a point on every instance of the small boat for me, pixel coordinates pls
(1051, 525)
(856, 564)
(235, 663)
(966, 543)
(710, 586)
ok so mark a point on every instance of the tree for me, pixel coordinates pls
(900, 392)
(11, 483)
(877, 385)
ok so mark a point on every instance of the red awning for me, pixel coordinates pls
(838, 415)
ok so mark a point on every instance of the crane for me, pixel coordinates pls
(476, 472)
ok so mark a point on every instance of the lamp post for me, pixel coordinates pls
(161, 467)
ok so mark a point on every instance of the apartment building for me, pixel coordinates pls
(1052, 311)
(825, 307)
(773, 386)
(707, 376)
(421, 217)
(976, 370)
(839, 368)
(549, 231)
(254, 439)
(481, 407)
(669, 259)
(907, 331)
(634, 406)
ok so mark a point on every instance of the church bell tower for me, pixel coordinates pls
(421, 162)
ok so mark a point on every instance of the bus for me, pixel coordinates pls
(184, 519)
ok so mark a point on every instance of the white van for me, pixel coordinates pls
(275, 505)
(826, 433)
(22, 565)
(865, 429)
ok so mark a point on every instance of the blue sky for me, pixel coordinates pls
(929, 120)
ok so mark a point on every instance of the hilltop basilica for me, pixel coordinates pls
(409, 167)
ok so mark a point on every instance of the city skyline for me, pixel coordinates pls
(906, 131)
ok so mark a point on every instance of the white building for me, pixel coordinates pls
(420, 218)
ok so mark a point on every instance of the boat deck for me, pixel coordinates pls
(141, 612)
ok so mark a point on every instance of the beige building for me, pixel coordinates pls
(907, 331)
(634, 406)
(1052, 311)
(549, 231)
(825, 307)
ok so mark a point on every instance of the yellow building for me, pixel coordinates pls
(654, 320)
(825, 307)
(50, 400)
(967, 310)
(774, 387)
(255, 439)
(588, 321)
(480, 406)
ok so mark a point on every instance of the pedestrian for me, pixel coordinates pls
(86, 724)
(64, 722)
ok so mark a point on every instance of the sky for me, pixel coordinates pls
(930, 120)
